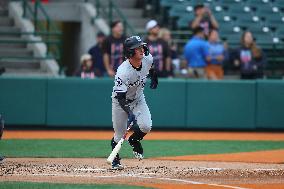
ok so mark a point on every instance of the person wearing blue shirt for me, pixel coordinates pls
(97, 56)
(196, 53)
(214, 69)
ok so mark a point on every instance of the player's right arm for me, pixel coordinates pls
(121, 89)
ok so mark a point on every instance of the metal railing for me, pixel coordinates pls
(44, 27)
(107, 12)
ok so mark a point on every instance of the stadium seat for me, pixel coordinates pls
(180, 10)
(279, 4)
(169, 3)
(267, 11)
(257, 2)
(230, 3)
(183, 22)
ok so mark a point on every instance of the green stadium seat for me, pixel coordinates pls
(280, 32)
(267, 9)
(266, 41)
(223, 19)
(274, 21)
(257, 2)
(231, 3)
(180, 10)
(183, 22)
(230, 33)
(279, 4)
(169, 3)
(239, 11)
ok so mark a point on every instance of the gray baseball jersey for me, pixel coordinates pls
(131, 81)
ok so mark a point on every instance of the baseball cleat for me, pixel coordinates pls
(137, 149)
(137, 155)
(2, 158)
(116, 165)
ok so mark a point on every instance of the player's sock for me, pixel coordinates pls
(116, 162)
(113, 144)
(134, 141)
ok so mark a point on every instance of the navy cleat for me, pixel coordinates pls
(2, 158)
(134, 141)
(116, 165)
(137, 148)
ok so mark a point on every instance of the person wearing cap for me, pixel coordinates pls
(196, 53)
(203, 18)
(129, 107)
(97, 56)
(112, 48)
(86, 69)
(159, 50)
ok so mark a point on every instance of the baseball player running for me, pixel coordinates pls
(128, 101)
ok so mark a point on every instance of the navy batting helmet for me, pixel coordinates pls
(130, 44)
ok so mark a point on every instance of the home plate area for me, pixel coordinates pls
(148, 172)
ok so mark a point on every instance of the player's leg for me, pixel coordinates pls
(119, 120)
(144, 122)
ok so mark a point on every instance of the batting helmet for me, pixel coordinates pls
(130, 44)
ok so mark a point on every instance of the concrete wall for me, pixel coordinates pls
(83, 13)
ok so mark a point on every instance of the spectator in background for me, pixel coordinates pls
(203, 18)
(113, 48)
(165, 35)
(97, 56)
(249, 57)
(214, 69)
(86, 69)
(159, 49)
(196, 53)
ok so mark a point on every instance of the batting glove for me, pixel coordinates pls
(146, 50)
(154, 78)
(131, 119)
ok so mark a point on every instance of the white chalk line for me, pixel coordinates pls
(89, 169)
(132, 175)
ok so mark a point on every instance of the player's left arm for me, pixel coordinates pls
(152, 72)
(154, 78)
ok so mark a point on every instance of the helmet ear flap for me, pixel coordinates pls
(128, 53)
(131, 52)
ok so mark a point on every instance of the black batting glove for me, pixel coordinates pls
(131, 119)
(146, 50)
(154, 78)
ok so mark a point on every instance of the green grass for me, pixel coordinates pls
(31, 185)
(101, 148)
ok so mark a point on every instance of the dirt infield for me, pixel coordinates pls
(157, 173)
(235, 170)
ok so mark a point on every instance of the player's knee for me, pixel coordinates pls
(145, 126)
(117, 137)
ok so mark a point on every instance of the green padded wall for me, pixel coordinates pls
(167, 103)
(78, 102)
(177, 103)
(221, 104)
(270, 104)
(23, 101)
